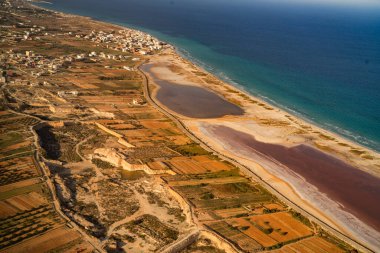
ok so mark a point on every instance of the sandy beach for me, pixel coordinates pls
(335, 180)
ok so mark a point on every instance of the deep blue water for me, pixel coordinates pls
(319, 61)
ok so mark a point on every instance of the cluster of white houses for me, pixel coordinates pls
(127, 40)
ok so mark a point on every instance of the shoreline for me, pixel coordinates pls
(320, 218)
(195, 129)
(227, 81)
(270, 102)
(232, 86)
(331, 136)
(203, 66)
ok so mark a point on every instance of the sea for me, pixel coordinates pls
(317, 59)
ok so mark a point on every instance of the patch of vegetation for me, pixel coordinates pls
(152, 226)
(102, 164)
(208, 195)
(368, 157)
(132, 175)
(225, 173)
(202, 245)
(8, 176)
(240, 215)
(26, 224)
(66, 246)
(117, 200)
(9, 139)
(237, 188)
(155, 199)
(17, 151)
(59, 143)
(22, 190)
(112, 78)
(357, 151)
(177, 212)
(301, 218)
(191, 150)
(268, 231)
(341, 244)
(274, 210)
(326, 137)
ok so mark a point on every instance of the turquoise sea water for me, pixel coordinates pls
(317, 59)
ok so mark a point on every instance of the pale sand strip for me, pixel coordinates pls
(272, 125)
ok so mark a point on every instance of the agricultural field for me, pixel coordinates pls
(114, 100)
(265, 230)
(191, 149)
(281, 226)
(27, 223)
(268, 231)
(150, 153)
(196, 165)
(312, 244)
(21, 203)
(232, 234)
(15, 138)
(98, 77)
(220, 196)
(239, 210)
(223, 180)
(59, 239)
(13, 121)
(248, 210)
(17, 169)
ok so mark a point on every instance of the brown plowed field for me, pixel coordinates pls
(241, 240)
(221, 180)
(285, 227)
(196, 165)
(310, 245)
(19, 203)
(48, 241)
(20, 184)
(248, 229)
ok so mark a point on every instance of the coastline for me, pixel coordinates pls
(235, 86)
(349, 135)
(272, 140)
(297, 195)
(331, 129)
(244, 99)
